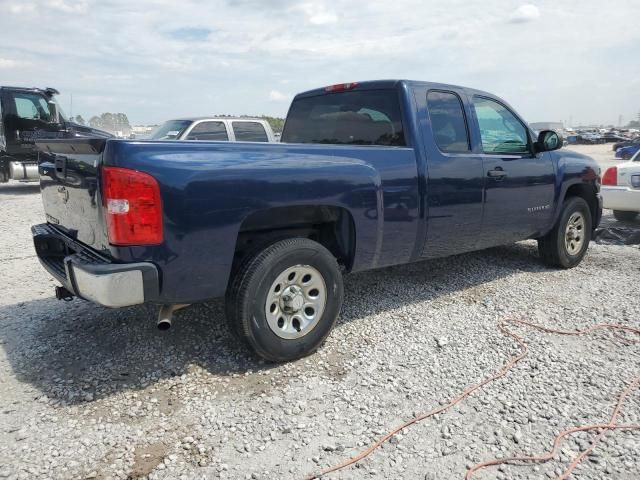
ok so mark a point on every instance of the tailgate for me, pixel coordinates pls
(69, 182)
(629, 175)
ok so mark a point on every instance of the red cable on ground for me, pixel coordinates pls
(612, 425)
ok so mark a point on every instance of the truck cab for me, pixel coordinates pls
(219, 129)
(27, 115)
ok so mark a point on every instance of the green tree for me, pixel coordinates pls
(276, 123)
(112, 122)
(96, 122)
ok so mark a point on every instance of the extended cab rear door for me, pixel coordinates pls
(519, 185)
(455, 173)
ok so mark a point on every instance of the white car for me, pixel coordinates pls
(221, 129)
(621, 189)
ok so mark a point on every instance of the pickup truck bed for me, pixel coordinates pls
(381, 173)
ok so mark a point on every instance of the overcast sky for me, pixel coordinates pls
(154, 59)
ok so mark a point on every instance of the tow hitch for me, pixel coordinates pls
(63, 294)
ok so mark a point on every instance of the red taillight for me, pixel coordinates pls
(132, 207)
(610, 177)
(341, 87)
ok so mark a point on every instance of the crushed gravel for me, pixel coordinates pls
(88, 392)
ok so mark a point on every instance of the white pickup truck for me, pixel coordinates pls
(621, 189)
(223, 129)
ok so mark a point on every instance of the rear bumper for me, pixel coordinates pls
(91, 275)
(621, 198)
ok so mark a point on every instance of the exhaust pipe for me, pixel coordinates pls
(165, 316)
(164, 324)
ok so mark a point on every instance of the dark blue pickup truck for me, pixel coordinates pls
(367, 175)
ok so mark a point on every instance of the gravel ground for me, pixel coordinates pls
(603, 154)
(87, 392)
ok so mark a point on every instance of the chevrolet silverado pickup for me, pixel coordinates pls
(368, 175)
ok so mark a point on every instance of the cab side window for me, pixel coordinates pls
(32, 107)
(500, 130)
(209, 131)
(448, 122)
(249, 132)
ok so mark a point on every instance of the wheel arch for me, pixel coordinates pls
(331, 226)
(589, 193)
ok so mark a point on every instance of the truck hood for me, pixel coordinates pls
(570, 161)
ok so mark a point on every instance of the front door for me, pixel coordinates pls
(455, 178)
(519, 186)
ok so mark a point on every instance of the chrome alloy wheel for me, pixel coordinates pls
(574, 233)
(296, 301)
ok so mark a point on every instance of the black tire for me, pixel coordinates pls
(626, 156)
(247, 296)
(552, 247)
(623, 216)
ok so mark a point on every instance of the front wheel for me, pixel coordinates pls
(626, 156)
(285, 300)
(566, 244)
(624, 216)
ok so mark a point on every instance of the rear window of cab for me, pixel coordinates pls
(366, 117)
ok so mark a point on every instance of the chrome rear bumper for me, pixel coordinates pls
(90, 275)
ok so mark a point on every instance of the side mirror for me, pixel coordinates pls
(55, 115)
(548, 140)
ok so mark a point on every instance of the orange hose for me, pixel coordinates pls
(558, 440)
(612, 425)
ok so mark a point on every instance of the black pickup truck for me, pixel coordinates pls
(27, 115)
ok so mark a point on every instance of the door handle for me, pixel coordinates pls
(498, 173)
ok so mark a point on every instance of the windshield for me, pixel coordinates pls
(368, 117)
(170, 130)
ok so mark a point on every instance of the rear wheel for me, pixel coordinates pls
(566, 244)
(624, 216)
(285, 300)
(626, 156)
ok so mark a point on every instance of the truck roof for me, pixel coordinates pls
(195, 119)
(48, 90)
(391, 83)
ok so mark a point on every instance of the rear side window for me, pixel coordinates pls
(448, 122)
(209, 131)
(500, 130)
(368, 117)
(249, 132)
